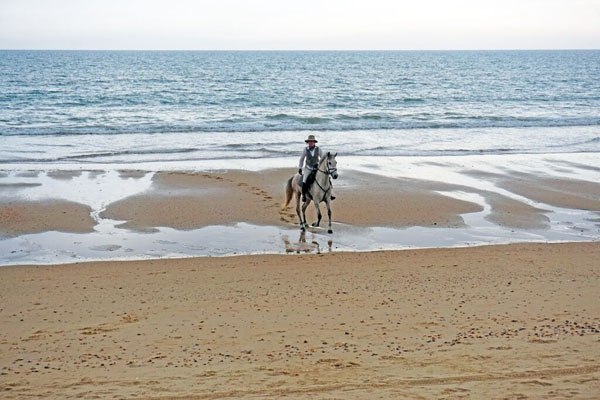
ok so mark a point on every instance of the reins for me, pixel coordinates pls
(328, 172)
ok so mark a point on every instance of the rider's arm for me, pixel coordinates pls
(302, 157)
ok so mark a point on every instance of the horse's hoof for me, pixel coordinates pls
(315, 224)
(329, 231)
(302, 229)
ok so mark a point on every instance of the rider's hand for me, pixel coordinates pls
(300, 171)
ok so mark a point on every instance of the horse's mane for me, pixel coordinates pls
(323, 159)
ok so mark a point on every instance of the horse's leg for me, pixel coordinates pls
(318, 214)
(304, 206)
(298, 210)
(328, 200)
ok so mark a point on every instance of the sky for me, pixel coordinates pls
(299, 24)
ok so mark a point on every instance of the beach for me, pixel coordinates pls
(515, 321)
(146, 250)
(520, 320)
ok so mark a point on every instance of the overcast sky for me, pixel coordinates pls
(299, 24)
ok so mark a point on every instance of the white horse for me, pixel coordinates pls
(319, 190)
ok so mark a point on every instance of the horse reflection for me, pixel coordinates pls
(302, 246)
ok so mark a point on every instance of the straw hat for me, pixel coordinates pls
(311, 138)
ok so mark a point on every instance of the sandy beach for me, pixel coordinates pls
(506, 321)
(146, 251)
(517, 321)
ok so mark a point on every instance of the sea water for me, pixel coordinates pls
(108, 107)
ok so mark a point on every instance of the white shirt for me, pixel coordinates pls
(312, 154)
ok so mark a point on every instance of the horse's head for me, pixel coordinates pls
(332, 165)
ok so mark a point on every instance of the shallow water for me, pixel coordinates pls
(239, 239)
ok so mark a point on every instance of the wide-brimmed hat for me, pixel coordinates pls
(311, 138)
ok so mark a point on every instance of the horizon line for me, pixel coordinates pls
(309, 50)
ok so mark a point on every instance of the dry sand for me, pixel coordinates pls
(517, 321)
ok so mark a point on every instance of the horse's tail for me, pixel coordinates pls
(288, 193)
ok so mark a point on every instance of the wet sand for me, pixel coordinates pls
(558, 192)
(184, 200)
(21, 217)
(516, 321)
(192, 200)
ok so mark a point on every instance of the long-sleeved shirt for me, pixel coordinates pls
(312, 157)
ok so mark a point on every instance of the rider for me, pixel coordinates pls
(312, 155)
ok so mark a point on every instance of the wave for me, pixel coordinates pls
(578, 143)
(308, 120)
(360, 117)
(330, 119)
(236, 146)
(131, 152)
(286, 123)
(93, 155)
(265, 153)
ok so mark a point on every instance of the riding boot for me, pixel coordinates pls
(304, 192)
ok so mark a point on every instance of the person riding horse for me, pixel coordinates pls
(311, 155)
(319, 189)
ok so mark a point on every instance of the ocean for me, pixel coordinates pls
(128, 107)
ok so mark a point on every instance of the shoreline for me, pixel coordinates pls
(284, 256)
(382, 204)
(520, 319)
(295, 250)
(583, 161)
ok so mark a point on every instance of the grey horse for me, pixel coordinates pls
(319, 191)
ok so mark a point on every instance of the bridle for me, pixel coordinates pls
(328, 172)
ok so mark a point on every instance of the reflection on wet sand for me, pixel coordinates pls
(302, 246)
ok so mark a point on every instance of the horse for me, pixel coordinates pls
(319, 191)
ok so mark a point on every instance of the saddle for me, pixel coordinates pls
(311, 178)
